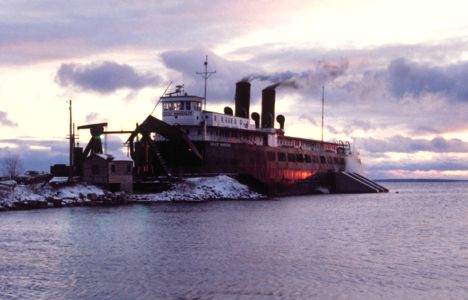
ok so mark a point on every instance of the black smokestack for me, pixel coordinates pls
(268, 107)
(242, 99)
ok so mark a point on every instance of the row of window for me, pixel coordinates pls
(228, 120)
(227, 133)
(298, 157)
(182, 105)
(305, 144)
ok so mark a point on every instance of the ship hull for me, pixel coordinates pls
(270, 170)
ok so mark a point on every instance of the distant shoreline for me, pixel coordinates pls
(421, 180)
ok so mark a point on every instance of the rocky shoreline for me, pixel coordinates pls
(108, 199)
(14, 196)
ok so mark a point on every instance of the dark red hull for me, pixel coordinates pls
(274, 171)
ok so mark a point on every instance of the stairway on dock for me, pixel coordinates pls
(350, 182)
(162, 162)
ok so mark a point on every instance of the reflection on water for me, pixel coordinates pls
(407, 245)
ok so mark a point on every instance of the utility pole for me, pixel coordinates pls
(323, 104)
(205, 76)
(72, 142)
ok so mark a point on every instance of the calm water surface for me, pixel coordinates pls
(407, 245)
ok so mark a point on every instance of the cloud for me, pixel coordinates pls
(358, 89)
(46, 31)
(36, 154)
(41, 154)
(435, 165)
(221, 85)
(402, 144)
(368, 87)
(93, 118)
(409, 78)
(5, 120)
(408, 91)
(443, 52)
(308, 118)
(367, 69)
(425, 130)
(350, 126)
(332, 129)
(105, 77)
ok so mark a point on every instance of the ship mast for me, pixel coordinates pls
(323, 104)
(72, 141)
(205, 76)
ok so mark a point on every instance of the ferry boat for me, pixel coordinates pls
(191, 141)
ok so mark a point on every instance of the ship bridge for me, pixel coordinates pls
(179, 108)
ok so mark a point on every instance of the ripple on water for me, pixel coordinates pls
(410, 245)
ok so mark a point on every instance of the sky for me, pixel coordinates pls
(395, 72)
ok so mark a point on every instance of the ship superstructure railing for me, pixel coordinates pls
(219, 134)
(313, 145)
(344, 147)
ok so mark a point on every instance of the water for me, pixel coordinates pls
(407, 245)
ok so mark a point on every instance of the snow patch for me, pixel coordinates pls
(58, 179)
(74, 192)
(41, 192)
(190, 189)
(7, 184)
(203, 188)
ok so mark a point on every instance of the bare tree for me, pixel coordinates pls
(10, 165)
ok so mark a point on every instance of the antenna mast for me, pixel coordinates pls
(72, 141)
(323, 104)
(205, 76)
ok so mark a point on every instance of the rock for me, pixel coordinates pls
(92, 196)
(7, 185)
(89, 203)
(56, 202)
(37, 204)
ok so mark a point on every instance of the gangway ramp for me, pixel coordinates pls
(349, 182)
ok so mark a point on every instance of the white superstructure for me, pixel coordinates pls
(185, 110)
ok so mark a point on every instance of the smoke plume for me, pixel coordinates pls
(320, 74)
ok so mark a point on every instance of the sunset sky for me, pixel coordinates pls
(395, 72)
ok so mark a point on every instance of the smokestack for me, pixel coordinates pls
(242, 98)
(268, 107)
(256, 117)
